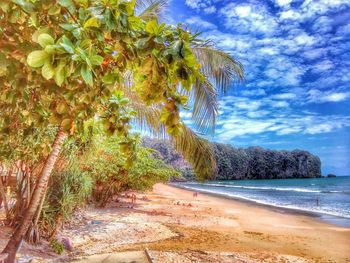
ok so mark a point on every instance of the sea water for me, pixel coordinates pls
(327, 197)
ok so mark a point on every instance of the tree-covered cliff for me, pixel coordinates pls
(250, 163)
(259, 163)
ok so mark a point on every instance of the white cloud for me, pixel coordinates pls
(317, 96)
(251, 105)
(291, 58)
(241, 127)
(304, 40)
(315, 53)
(323, 24)
(283, 3)
(200, 23)
(279, 104)
(236, 124)
(321, 128)
(254, 92)
(289, 130)
(289, 14)
(313, 8)
(284, 96)
(210, 10)
(249, 18)
(206, 5)
(322, 66)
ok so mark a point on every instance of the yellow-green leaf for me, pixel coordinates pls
(54, 10)
(48, 70)
(96, 60)
(45, 40)
(87, 75)
(60, 74)
(50, 49)
(61, 108)
(66, 124)
(152, 26)
(92, 22)
(37, 58)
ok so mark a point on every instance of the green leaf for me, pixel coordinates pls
(48, 70)
(26, 5)
(84, 56)
(96, 60)
(87, 75)
(68, 27)
(142, 43)
(67, 45)
(60, 73)
(45, 40)
(92, 22)
(159, 40)
(37, 58)
(69, 4)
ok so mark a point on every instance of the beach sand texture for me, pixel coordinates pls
(175, 226)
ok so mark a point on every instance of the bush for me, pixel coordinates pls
(111, 175)
(68, 190)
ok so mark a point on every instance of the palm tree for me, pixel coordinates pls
(220, 71)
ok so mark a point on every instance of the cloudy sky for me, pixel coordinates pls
(296, 55)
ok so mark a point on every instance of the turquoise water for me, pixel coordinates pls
(327, 197)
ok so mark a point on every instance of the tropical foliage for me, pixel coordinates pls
(103, 162)
(64, 63)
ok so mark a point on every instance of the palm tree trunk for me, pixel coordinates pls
(40, 188)
(33, 234)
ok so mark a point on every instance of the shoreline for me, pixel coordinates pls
(322, 217)
(175, 226)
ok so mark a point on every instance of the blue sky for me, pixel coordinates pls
(296, 55)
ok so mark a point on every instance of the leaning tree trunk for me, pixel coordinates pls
(40, 188)
(33, 235)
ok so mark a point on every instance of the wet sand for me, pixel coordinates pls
(230, 225)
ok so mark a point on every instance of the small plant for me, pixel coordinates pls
(57, 246)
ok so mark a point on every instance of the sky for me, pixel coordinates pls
(296, 55)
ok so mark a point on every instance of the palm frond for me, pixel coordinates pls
(218, 66)
(196, 151)
(147, 117)
(151, 9)
(205, 106)
(193, 148)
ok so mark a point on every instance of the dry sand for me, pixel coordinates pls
(177, 227)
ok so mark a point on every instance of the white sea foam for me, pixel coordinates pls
(319, 210)
(270, 188)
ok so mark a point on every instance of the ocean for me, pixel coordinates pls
(328, 198)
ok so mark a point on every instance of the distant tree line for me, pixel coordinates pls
(250, 163)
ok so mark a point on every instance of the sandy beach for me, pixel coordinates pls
(175, 226)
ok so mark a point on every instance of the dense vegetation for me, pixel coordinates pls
(259, 163)
(96, 175)
(65, 64)
(251, 163)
